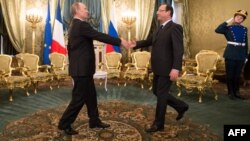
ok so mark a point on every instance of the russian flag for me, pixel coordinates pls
(47, 38)
(112, 31)
(58, 43)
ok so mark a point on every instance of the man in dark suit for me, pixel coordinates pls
(82, 68)
(236, 51)
(166, 60)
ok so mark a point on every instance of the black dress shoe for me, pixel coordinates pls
(99, 125)
(239, 97)
(232, 97)
(181, 113)
(154, 128)
(69, 131)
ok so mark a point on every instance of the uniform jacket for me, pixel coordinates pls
(167, 48)
(234, 33)
(81, 49)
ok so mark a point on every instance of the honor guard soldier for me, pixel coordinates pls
(235, 52)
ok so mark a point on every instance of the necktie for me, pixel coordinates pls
(159, 29)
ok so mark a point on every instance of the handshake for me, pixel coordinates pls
(128, 44)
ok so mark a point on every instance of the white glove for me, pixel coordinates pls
(229, 20)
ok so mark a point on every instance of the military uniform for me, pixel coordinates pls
(235, 54)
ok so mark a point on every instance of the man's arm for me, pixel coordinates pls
(178, 51)
(89, 32)
(144, 43)
(178, 47)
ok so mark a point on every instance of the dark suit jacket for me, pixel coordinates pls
(81, 49)
(167, 50)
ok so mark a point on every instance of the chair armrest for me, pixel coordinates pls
(101, 65)
(129, 65)
(3, 73)
(189, 70)
(44, 67)
(210, 74)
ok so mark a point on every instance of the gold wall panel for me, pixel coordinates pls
(205, 16)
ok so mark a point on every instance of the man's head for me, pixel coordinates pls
(79, 10)
(164, 13)
(240, 16)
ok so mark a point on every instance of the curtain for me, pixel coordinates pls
(145, 11)
(94, 8)
(106, 5)
(186, 29)
(14, 17)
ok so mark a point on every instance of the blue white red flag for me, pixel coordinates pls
(58, 43)
(112, 31)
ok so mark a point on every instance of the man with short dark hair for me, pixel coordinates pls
(166, 60)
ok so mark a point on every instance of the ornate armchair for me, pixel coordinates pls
(203, 78)
(33, 70)
(59, 67)
(138, 69)
(112, 64)
(8, 79)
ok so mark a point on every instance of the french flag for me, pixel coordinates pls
(47, 38)
(112, 31)
(58, 43)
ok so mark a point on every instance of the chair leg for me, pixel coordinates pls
(27, 92)
(50, 85)
(35, 87)
(10, 97)
(200, 94)
(215, 94)
(58, 83)
(179, 89)
(150, 88)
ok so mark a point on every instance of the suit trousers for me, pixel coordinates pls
(83, 92)
(161, 87)
(233, 71)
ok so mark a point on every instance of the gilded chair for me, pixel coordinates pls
(11, 80)
(138, 69)
(59, 67)
(206, 61)
(37, 73)
(112, 64)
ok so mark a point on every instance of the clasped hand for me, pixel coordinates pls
(128, 44)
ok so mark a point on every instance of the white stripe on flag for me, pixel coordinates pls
(58, 33)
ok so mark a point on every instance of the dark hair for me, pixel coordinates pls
(169, 8)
